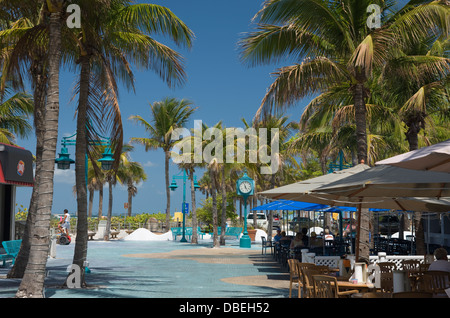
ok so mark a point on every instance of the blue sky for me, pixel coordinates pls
(218, 83)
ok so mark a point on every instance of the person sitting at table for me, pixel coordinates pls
(314, 241)
(305, 237)
(277, 237)
(328, 236)
(297, 241)
(441, 263)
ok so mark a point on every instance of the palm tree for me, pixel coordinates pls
(167, 115)
(33, 278)
(130, 173)
(333, 44)
(14, 113)
(22, 40)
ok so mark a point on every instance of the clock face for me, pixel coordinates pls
(245, 187)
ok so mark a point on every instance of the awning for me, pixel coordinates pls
(16, 166)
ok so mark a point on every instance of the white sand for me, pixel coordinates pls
(142, 234)
(146, 235)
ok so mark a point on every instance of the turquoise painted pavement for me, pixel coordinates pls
(162, 269)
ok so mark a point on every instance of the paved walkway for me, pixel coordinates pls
(165, 269)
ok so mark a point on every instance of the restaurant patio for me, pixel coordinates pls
(390, 266)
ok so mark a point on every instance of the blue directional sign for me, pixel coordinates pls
(185, 207)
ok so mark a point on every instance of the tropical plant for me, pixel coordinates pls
(130, 173)
(332, 45)
(14, 117)
(166, 115)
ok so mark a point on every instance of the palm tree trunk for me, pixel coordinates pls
(110, 204)
(412, 136)
(360, 119)
(91, 202)
(40, 90)
(166, 167)
(130, 198)
(80, 252)
(216, 242)
(224, 207)
(194, 239)
(32, 284)
(100, 202)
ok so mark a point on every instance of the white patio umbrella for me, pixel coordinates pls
(433, 158)
(311, 191)
(390, 181)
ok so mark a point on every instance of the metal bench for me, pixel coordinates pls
(233, 231)
(230, 231)
(12, 249)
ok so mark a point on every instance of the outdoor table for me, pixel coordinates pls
(363, 287)
(378, 295)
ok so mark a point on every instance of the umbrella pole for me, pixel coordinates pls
(358, 233)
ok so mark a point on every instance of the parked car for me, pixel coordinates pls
(298, 223)
(261, 220)
(276, 220)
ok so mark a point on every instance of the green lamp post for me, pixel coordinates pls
(245, 187)
(64, 161)
(185, 209)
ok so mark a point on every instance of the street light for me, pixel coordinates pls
(173, 186)
(64, 161)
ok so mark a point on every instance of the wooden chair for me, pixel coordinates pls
(300, 267)
(326, 286)
(436, 282)
(412, 294)
(387, 276)
(308, 282)
(323, 269)
(411, 267)
(423, 268)
(294, 277)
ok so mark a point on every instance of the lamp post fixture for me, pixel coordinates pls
(245, 187)
(185, 209)
(64, 161)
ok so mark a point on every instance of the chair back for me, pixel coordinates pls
(387, 276)
(308, 282)
(293, 268)
(323, 269)
(436, 282)
(325, 286)
(410, 265)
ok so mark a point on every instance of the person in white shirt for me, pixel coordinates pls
(65, 222)
(441, 263)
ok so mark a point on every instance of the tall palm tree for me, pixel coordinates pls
(166, 115)
(115, 29)
(33, 278)
(23, 40)
(130, 173)
(332, 44)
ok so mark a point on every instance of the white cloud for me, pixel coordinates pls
(149, 164)
(65, 176)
